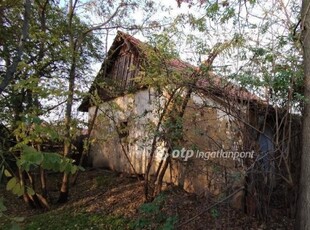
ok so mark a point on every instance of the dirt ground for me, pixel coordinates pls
(108, 193)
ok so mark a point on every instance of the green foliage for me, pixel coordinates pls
(75, 220)
(15, 186)
(2, 207)
(215, 213)
(169, 223)
(151, 216)
(212, 9)
(44, 66)
(31, 158)
(174, 128)
(164, 45)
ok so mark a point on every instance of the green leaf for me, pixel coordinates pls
(30, 191)
(18, 189)
(7, 173)
(81, 168)
(68, 167)
(36, 120)
(31, 155)
(11, 184)
(74, 169)
(62, 167)
(19, 163)
(2, 206)
(21, 191)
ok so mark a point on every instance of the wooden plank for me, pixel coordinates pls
(137, 69)
(134, 72)
(125, 70)
(113, 71)
(129, 71)
(118, 71)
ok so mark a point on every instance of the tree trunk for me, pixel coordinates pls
(303, 213)
(8, 77)
(43, 183)
(23, 184)
(161, 177)
(64, 190)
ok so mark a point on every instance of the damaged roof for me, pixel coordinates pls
(124, 44)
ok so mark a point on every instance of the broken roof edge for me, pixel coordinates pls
(139, 47)
(175, 64)
(116, 45)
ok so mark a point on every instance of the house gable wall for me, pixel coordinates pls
(206, 129)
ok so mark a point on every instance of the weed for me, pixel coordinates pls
(152, 216)
(67, 219)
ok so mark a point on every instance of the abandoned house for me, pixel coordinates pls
(220, 119)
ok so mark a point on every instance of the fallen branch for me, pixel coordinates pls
(212, 206)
